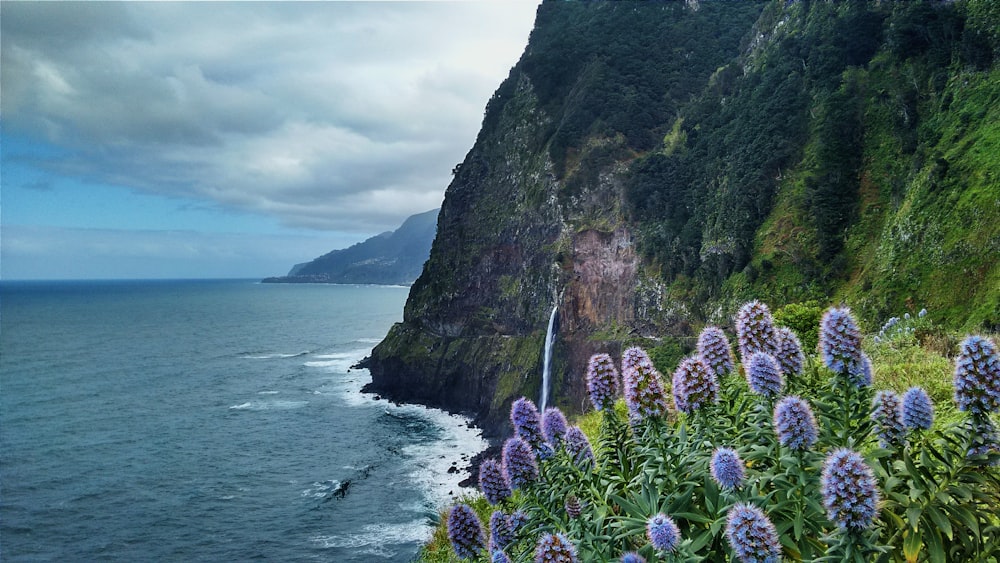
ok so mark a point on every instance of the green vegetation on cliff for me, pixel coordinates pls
(648, 166)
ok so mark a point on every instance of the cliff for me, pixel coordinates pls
(391, 258)
(646, 167)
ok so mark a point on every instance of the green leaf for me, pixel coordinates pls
(911, 545)
(940, 520)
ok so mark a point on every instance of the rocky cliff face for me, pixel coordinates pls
(645, 167)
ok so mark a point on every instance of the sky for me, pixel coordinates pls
(233, 139)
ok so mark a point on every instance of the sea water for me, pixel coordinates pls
(211, 421)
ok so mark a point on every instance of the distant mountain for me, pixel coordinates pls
(393, 257)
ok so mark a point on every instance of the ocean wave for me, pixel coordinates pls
(272, 356)
(415, 531)
(340, 362)
(268, 405)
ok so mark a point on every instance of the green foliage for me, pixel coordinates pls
(803, 318)
(938, 503)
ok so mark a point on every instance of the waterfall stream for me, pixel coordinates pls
(550, 338)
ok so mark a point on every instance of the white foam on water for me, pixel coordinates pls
(274, 356)
(337, 363)
(378, 536)
(268, 392)
(269, 405)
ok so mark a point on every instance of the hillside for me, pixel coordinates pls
(648, 167)
(394, 257)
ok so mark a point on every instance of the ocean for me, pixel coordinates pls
(211, 421)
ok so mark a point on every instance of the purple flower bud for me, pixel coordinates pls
(499, 557)
(918, 410)
(465, 532)
(887, 414)
(764, 375)
(555, 548)
(578, 446)
(554, 426)
(727, 468)
(644, 394)
(839, 339)
(632, 557)
(755, 330)
(713, 347)
(573, 506)
(694, 385)
(663, 532)
(848, 489)
(527, 422)
(977, 376)
(795, 424)
(602, 381)
(986, 439)
(517, 519)
(751, 534)
(790, 356)
(493, 481)
(519, 463)
(501, 531)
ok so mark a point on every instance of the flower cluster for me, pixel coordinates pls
(795, 423)
(555, 548)
(752, 535)
(887, 414)
(502, 531)
(727, 468)
(713, 348)
(663, 532)
(755, 330)
(578, 446)
(493, 481)
(918, 410)
(839, 340)
(764, 375)
(602, 381)
(527, 422)
(632, 557)
(644, 393)
(694, 385)
(848, 488)
(554, 426)
(465, 531)
(573, 506)
(860, 372)
(519, 463)
(977, 376)
(789, 355)
(499, 557)
(986, 437)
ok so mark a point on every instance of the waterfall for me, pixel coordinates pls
(550, 338)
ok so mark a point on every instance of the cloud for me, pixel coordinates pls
(328, 115)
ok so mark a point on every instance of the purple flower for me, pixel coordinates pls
(764, 375)
(663, 532)
(751, 534)
(632, 557)
(977, 376)
(573, 506)
(527, 422)
(493, 481)
(644, 394)
(519, 463)
(789, 356)
(465, 531)
(795, 424)
(755, 330)
(918, 410)
(986, 439)
(602, 381)
(727, 468)
(694, 385)
(554, 426)
(887, 414)
(860, 372)
(839, 339)
(499, 557)
(554, 548)
(713, 347)
(501, 530)
(517, 519)
(578, 446)
(848, 489)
